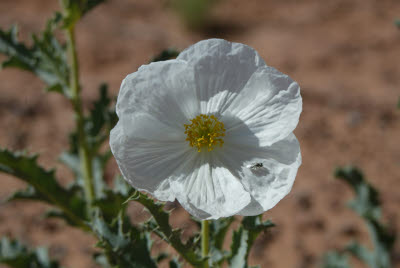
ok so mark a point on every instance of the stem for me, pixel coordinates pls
(84, 155)
(205, 240)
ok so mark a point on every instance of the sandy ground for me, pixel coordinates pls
(345, 54)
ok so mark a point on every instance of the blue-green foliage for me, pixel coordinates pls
(124, 245)
(397, 23)
(43, 186)
(333, 259)
(159, 224)
(97, 125)
(16, 255)
(367, 205)
(244, 237)
(46, 57)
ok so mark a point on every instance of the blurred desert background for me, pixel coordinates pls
(345, 54)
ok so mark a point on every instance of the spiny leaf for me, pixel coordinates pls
(111, 204)
(16, 255)
(218, 230)
(163, 229)
(122, 187)
(97, 125)
(46, 57)
(59, 214)
(397, 23)
(98, 165)
(44, 186)
(244, 238)
(162, 256)
(100, 120)
(124, 245)
(367, 205)
(174, 263)
(29, 193)
(361, 253)
(335, 259)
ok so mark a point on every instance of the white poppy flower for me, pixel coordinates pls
(212, 129)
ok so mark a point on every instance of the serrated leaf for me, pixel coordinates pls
(29, 193)
(98, 165)
(161, 227)
(244, 238)
(101, 120)
(218, 230)
(122, 187)
(101, 259)
(124, 245)
(367, 205)
(46, 57)
(335, 259)
(58, 214)
(167, 54)
(46, 187)
(97, 125)
(16, 255)
(361, 253)
(162, 256)
(174, 263)
(99, 113)
(397, 23)
(111, 204)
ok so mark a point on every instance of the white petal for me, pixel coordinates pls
(149, 141)
(207, 189)
(148, 163)
(269, 105)
(221, 70)
(165, 90)
(267, 173)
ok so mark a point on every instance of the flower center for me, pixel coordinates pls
(205, 131)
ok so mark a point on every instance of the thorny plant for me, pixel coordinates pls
(89, 204)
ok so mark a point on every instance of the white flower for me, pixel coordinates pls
(212, 129)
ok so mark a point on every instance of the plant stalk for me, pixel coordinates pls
(205, 240)
(84, 154)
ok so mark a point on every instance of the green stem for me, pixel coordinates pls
(84, 155)
(205, 240)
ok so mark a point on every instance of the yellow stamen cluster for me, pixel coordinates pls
(205, 131)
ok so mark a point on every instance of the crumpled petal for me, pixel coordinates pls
(221, 68)
(269, 105)
(147, 164)
(231, 78)
(272, 181)
(165, 90)
(149, 141)
(207, 189)
(259, 106)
